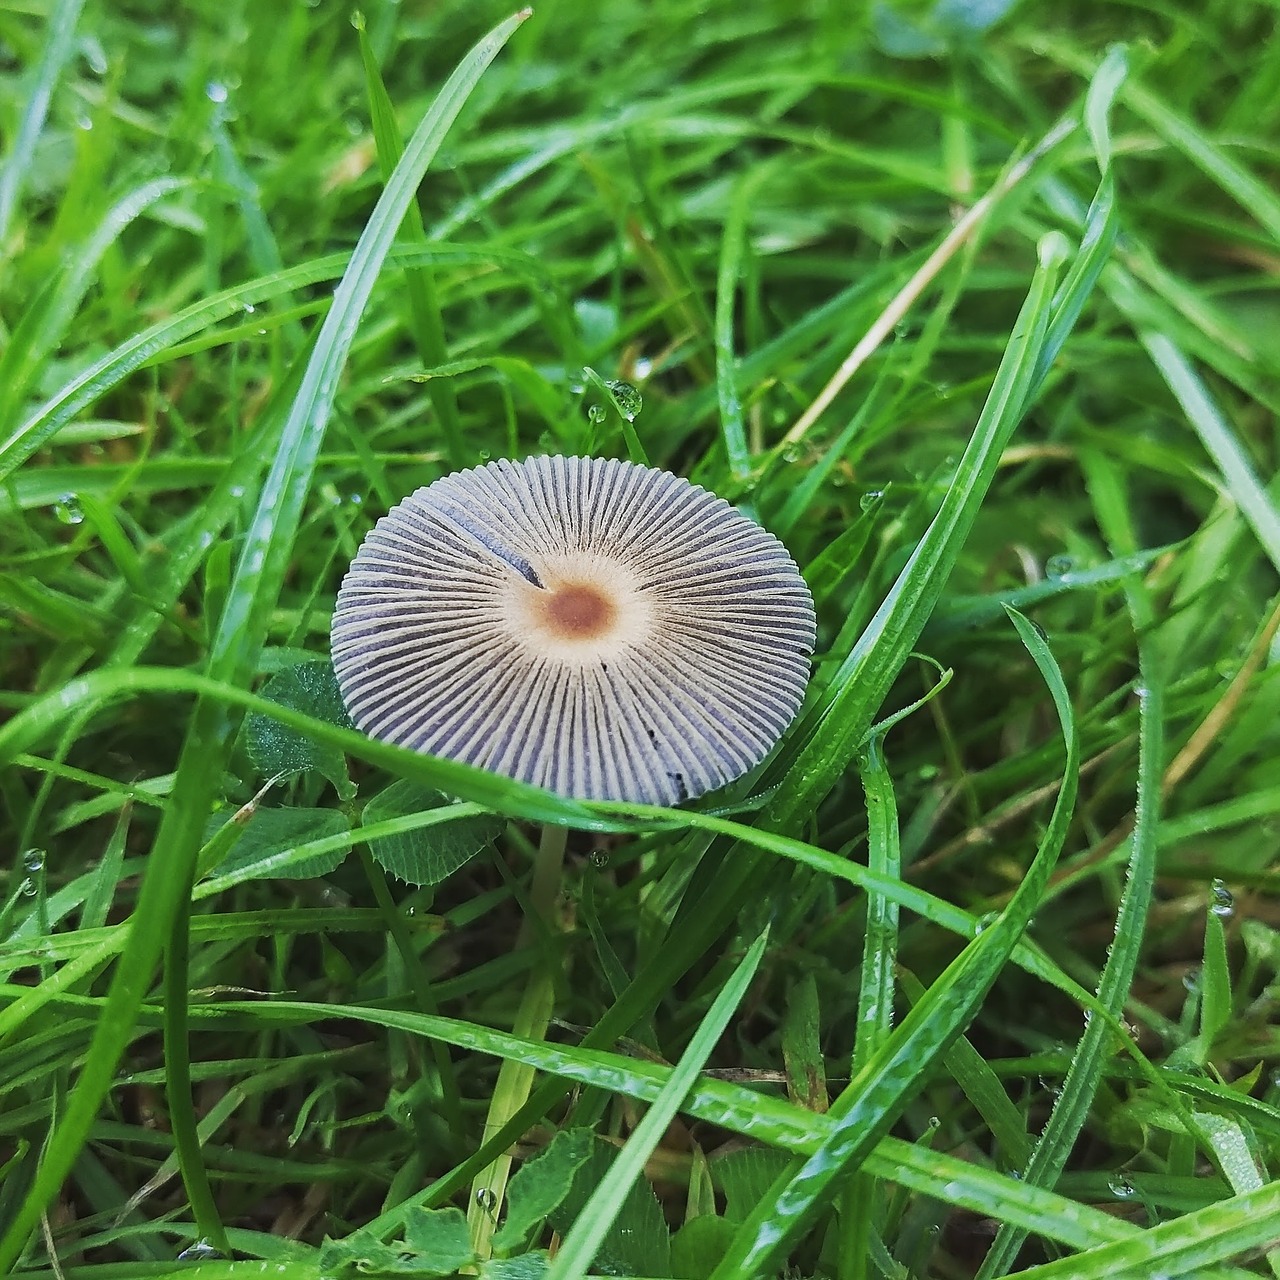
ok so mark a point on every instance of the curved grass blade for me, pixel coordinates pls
(875, 995)
(891, 1076)
(1072, 1106)
(732, 1106)
(1181, 1247)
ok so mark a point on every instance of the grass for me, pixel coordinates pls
(976, 975)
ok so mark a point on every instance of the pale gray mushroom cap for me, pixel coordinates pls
(605, 630)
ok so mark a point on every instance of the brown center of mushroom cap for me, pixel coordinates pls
(578, 611)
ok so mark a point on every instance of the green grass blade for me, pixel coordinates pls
(1073, 1104)
(1219, 440)
(578, 1250)
(875, 1097)
(1181, 1247)
(732, 249)
(58, 47)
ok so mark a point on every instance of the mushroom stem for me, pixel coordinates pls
(515, 1079)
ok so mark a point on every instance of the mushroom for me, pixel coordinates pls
(605, 630)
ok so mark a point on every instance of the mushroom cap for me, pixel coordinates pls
(605, 630)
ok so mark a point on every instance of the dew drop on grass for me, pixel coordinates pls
(215, 92)
(1191, 979)
(68, 509)
(870, 498)
(596, 413)
(626, 397)
(1121, 1188)
(1058, 566)
(791, 453)
(33, 860)
(599, 859)
(28, 888)
(985, 922)
(249, 308)
(1223, 904)
(201, 1251)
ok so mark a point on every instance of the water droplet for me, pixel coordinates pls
(249, 308)
(1059, 566)
(215, 92)
(599, 859)
(355, 499)
(870, 499)
(643, 367)
(596, 413)
(791, 453)
(486, 455)
(201, 1251)
(1191, 979)
(236, 491)
(68, 509)
(33, 860)
(984, 922)
(486, 1199)
(83, 123)
(934, 1122)
(1223, 904)
(628, 398)
(1121, 1187)
(28, 888)
(352, 126)
(95, 57)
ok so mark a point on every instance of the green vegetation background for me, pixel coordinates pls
(975, 306)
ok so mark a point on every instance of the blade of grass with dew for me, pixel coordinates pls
(1180, 1247)
(732, 248)
(875, 994)
(876, 1096)
(735, 1107)
(578, 1249)
(165, 893)
(830, 731)
(1072, 1106)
